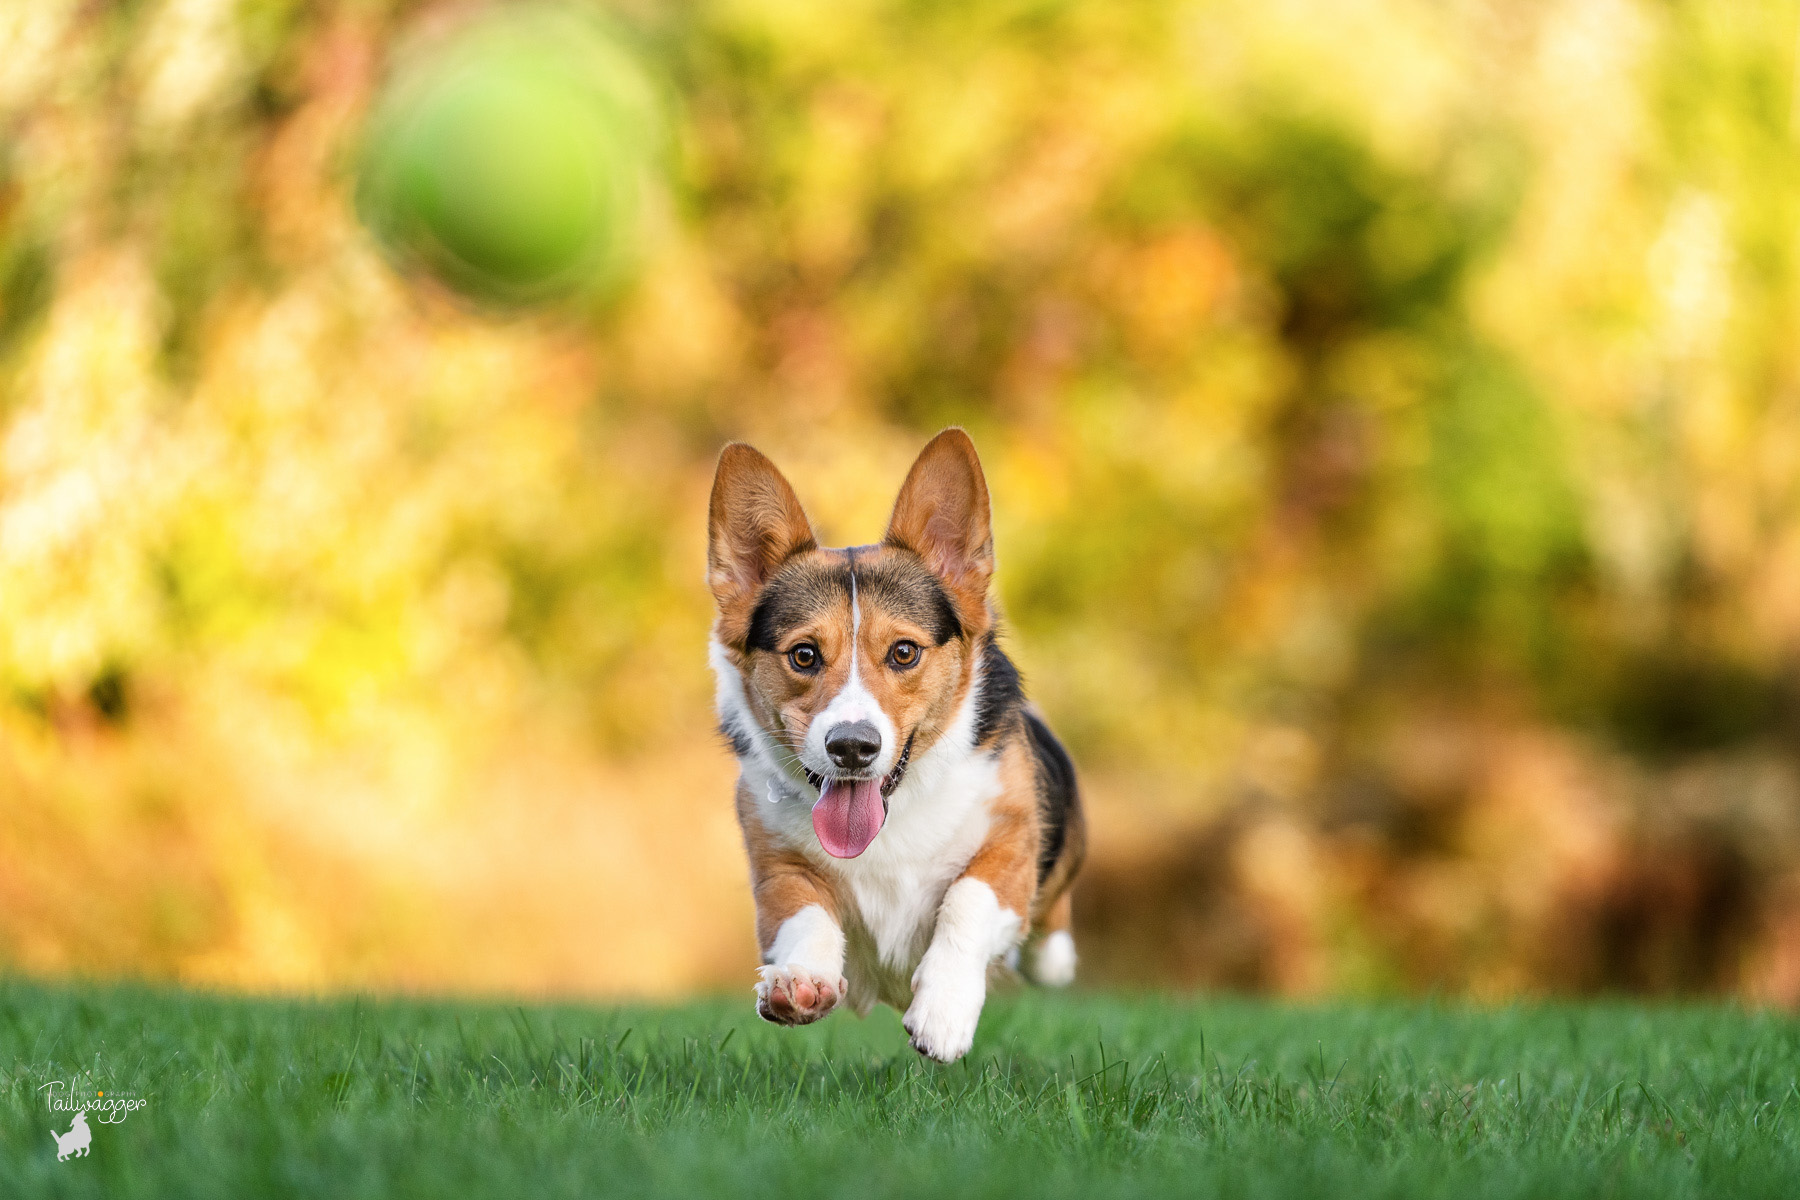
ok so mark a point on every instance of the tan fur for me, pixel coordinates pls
(1007, 860)
(782, 882)
(1052, 904)
(786, 701)
(942, 514)
(754, 523)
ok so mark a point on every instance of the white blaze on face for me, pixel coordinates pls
(854, 702)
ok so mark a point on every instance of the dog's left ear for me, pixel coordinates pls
(942, 516)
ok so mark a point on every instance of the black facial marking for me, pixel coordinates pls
(1002, 693)
(741, 745)
(797, 591)
(903, 585)
(1056, 791)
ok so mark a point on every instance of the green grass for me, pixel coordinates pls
(1063, 1096)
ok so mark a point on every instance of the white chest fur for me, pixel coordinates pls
(937, 820)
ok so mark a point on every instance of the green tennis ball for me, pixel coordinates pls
(511, 159)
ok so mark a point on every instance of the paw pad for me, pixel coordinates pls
(796, 996)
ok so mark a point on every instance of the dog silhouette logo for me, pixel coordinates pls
(76, 1141)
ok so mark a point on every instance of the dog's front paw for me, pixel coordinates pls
(942, 1016)
(795, 996)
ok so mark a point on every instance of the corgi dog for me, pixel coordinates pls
(910, 820)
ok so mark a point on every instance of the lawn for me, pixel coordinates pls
(1083, 1095)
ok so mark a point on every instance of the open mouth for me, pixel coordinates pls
(850, 811)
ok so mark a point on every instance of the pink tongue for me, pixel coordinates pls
(848, 816)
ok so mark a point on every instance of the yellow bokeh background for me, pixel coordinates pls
(1392, 412)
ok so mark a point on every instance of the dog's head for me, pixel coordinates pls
(853, 661)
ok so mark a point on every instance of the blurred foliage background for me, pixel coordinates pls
(1392, 409)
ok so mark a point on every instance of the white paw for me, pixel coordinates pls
(1052, 961)
(793, 995)
(942, 1017)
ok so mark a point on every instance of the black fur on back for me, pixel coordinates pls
(1002, 692)
(1056, 790)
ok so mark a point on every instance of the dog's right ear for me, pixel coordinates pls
(754, 524)
(942, 515)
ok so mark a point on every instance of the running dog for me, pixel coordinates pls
(910, 819)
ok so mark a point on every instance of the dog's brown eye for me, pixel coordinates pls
(804, 658)
(903, 655)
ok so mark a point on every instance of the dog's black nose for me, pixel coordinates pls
(853, 745)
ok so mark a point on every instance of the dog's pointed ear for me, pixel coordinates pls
(754, 523)
(942, 515)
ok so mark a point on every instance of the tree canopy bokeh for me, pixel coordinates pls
(1392, 410)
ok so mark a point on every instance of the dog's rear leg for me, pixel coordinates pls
(1049, 957)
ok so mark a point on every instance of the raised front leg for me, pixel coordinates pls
(980, 919)
(803, 975)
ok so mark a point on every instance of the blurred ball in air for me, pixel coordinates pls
(510, 156)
